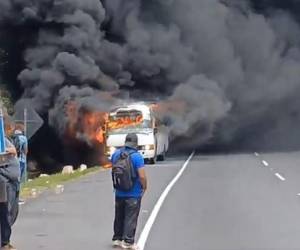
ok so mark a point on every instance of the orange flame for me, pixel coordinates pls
(107, 165)
(125, 121)
(86, 123)
(92, 126)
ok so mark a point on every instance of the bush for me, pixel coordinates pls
(5, 99)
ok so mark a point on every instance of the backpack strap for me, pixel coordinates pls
(130, 151)
(125, 153)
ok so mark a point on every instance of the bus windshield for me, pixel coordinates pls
(127, 122)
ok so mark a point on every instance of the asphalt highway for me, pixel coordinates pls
(220, 202)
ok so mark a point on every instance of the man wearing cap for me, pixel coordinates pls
(128, 203)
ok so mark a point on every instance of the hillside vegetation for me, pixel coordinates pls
(5, 98)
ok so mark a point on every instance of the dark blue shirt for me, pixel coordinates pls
(137, 162)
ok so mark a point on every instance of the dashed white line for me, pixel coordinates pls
(279, 176)
(265, 163)
(256, 154)
(145, 233)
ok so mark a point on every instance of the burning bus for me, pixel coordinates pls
(139, 118)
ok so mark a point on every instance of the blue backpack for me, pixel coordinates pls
(18, 144)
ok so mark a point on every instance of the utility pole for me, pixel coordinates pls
(25, 121)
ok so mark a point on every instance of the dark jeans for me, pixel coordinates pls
(9, 212)
(23, 171)
(126, 217)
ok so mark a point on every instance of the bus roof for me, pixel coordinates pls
(142, 107)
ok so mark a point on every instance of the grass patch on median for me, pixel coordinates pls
(48, 182)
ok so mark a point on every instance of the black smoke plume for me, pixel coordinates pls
(231, 65)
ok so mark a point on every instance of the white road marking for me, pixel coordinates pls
(256, 154)
(280, 177)
(298, 194)
(265, 163)
(145, 233)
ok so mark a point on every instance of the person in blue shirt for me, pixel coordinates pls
(22, 152)
(128, 204)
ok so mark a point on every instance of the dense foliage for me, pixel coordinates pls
(5, 98)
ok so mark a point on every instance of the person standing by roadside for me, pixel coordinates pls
(130, 183)
(21, 144)
(10, 176)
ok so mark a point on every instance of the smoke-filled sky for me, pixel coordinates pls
(232, 66)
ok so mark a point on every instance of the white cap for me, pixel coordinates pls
(18, 132)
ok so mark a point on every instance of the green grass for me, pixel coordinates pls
(41, 184)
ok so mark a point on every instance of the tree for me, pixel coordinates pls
(5, 96)
(5, 99)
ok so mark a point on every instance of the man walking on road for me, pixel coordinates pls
(130, 184)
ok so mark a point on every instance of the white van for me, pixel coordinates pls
(153, 136)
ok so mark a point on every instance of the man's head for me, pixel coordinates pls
(131, 140)
(19, 129)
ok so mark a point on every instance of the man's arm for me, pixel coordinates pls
(139, 165)
(10, 148)
(143, 178)
(26, 147)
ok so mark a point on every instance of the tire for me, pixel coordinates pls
(152, 161)
(162, 157)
